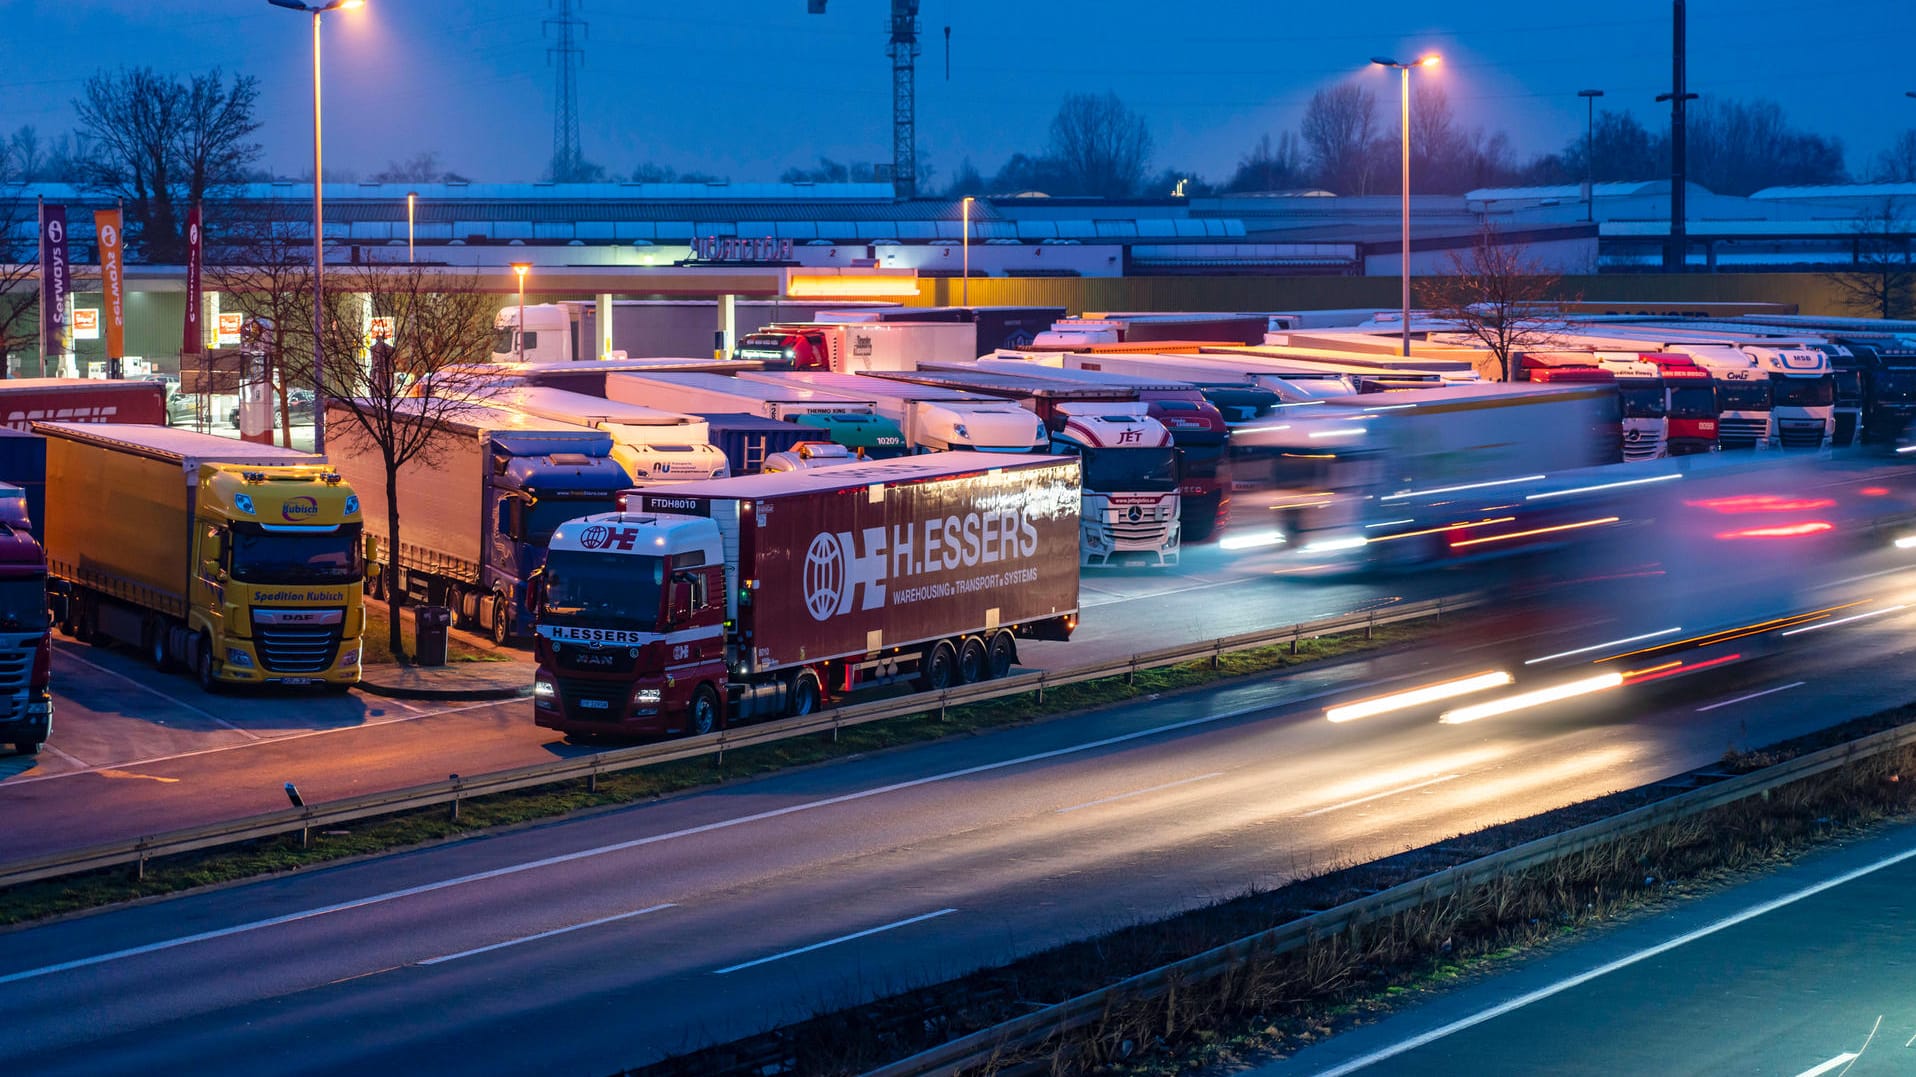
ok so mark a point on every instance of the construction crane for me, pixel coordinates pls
(904, 60)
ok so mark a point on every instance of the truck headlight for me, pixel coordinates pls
(244, 503)
(645, 697)
(238, 659)
(350, 658)
(544, 689)
(352, 504)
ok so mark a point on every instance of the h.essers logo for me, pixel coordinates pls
(835, 571)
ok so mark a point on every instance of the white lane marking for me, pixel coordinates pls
(1120, 596)
(68, 756)
(546, 934)
(834, 942)
(1752, 695)
(1141, 792)
(1843, 1059)
(1379, 796)
(1867, 576)
(180, 703)
(1867, 1040)
(1491, 1013)
(1844, 620)
(1600, 646)
(260, 742)
(633, 843)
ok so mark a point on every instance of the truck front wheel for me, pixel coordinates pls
(501, 619)
(704, 716)
(203, 667)
(807, 697)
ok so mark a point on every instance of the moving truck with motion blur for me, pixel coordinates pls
(243, 562)
(652, 445)
(475, 514)
(719, 602)
(26, 629)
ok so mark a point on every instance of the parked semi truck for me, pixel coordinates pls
(476, 515)
(652, 445)
(720, 602)
(1133, 473)
(25, 401)
(875, 435)
(242, 562)
(855, 348)
(26, 629)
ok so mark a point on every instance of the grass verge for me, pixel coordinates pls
(374, 648)
(1274, 1005)
(35, 901)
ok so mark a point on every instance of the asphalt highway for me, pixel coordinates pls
(607, 941)
(1807, 971)
(137, 752)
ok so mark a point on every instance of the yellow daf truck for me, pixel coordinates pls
(241, 562)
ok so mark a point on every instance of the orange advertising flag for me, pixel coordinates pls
(106, 223)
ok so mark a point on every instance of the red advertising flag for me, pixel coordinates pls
(193, 338)
(106, 224)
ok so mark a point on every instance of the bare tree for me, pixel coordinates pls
(160, 144)
(422, 167)
(1270, 166)
(1880, 281)
(266, 266)
(1739, 147)
(1897, 164)
(19, 257)
(1099, 145)
(1340, 124)
(441, 337)
(1498, 295)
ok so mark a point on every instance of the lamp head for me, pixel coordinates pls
(348, 5)
(1430, 61)
(1589, 93)
(522, 268)
(1385, 61)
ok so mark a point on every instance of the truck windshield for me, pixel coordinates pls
(1803, 392)
(1202, 461)
(23, 604)
(602, 590)
(1743, 395)
(547, 513)
(502, 342)
(308, 555)
(1692, 402)
(1849, 387)
(1131, 470)
(1642, 401)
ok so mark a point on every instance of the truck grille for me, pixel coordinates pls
(1643, 447)
(1799, 435)
(307, 645)
(578, 695)
(1143, 535)
(1741, 433)
(16, 669)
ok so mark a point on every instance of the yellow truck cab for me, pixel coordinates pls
(243, 562)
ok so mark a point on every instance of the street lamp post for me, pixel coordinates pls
(319, 218)
(411, 197)
(1589, 162)
(520, 269)
(1404, 251)
(964, 289)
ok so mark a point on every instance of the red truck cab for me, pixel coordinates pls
(26, 626)
(1692, 403)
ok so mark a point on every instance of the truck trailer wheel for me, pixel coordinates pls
(807, 696)
(157, 650)
(704, 715)
(973, 664)
(1003, 653)
(26, 747)
(940, 667)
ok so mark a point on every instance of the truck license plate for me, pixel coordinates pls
(594, 705)
(296, 681)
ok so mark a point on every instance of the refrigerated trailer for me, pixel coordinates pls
(652, 445)
(933, 419)
(719, 602)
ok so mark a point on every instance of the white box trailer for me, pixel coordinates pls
(651, 444)
(933, 419)
(714, 393)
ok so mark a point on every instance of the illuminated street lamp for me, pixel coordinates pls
(1404, 253)
(319, 217)
(411, 197)
(520, 269)
(1589, 162)
(964, 289)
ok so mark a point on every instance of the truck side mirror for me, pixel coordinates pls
(536, 591)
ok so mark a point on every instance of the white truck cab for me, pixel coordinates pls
(1802, 395)
(546, 336)
(1131, 481)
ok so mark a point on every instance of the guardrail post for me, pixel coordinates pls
(139, 868)
(1217, 653)
(1040, 690)
(943, 697)
(592, 782)
(456, 785)
(1370, 625)
(1131, 675)
(305, 835)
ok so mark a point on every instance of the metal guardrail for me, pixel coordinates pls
(1036, 1028)
(304, 820)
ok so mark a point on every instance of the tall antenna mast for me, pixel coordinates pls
(567, 55)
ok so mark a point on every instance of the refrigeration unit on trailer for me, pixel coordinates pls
(834, 414)
(933, 419)
(716, 603)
